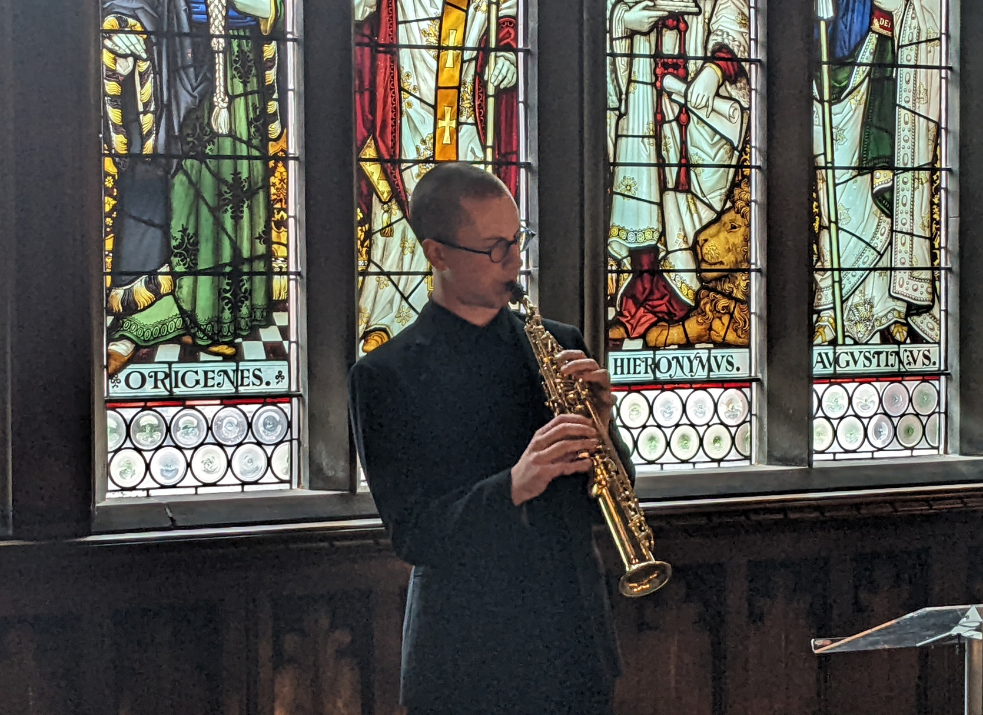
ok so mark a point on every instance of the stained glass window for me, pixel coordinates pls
(202, 272)
(682, 255)
(436, 80)
(880, 254)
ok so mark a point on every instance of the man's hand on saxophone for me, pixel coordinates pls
(576, 363)
(556, 450)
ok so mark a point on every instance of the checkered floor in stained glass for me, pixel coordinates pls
(270, 343)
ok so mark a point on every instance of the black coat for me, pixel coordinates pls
(508, 609)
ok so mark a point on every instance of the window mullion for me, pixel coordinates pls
(787, 116)
(595, 175)
(967, 154)
(7, 207)
(330, 245)
(54, 260)
(561, 161)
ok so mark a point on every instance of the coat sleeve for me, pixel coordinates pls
(427, 525)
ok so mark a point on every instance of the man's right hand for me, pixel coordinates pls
(555, 451)
(126, 44)
(641, 18)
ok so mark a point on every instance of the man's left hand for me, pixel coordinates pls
(703, 89)
(503, 70)
(576, 364)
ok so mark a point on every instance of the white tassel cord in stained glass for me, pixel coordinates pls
(681, 257)
(218, 15)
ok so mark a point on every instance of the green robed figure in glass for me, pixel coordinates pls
(191, 113)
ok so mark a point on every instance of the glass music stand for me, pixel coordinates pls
(948, 625)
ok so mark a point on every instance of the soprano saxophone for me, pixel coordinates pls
(610, 483)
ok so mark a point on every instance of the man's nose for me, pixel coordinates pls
(513, 258)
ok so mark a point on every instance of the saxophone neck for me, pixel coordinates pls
(520, 296)
(532, 312)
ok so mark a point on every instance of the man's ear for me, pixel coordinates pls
(435, 253)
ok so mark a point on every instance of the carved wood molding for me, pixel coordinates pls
(806, 508)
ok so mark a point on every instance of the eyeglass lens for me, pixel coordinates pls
(501, 249)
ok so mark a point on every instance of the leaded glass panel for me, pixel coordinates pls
(202, 271)
(436, 80)
(682, 254)
(880, 248)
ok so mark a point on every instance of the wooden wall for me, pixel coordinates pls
(309, 624)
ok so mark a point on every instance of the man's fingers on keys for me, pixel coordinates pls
(564, 432)
(567, 449)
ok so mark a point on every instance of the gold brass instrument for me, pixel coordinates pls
(610, 483)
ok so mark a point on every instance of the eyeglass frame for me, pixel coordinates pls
(522, 238)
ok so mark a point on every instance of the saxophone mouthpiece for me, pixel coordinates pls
(518, 292)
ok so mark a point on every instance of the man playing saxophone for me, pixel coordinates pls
(480, 487)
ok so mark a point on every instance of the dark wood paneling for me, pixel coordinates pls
(674, 645)
(787, 605)
(310, 625)
(37, 673)
(879, 586)
(322, 653)
(168, 660)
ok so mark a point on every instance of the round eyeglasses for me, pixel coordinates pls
(498, 252)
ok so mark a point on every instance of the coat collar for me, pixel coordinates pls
(435, 322)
